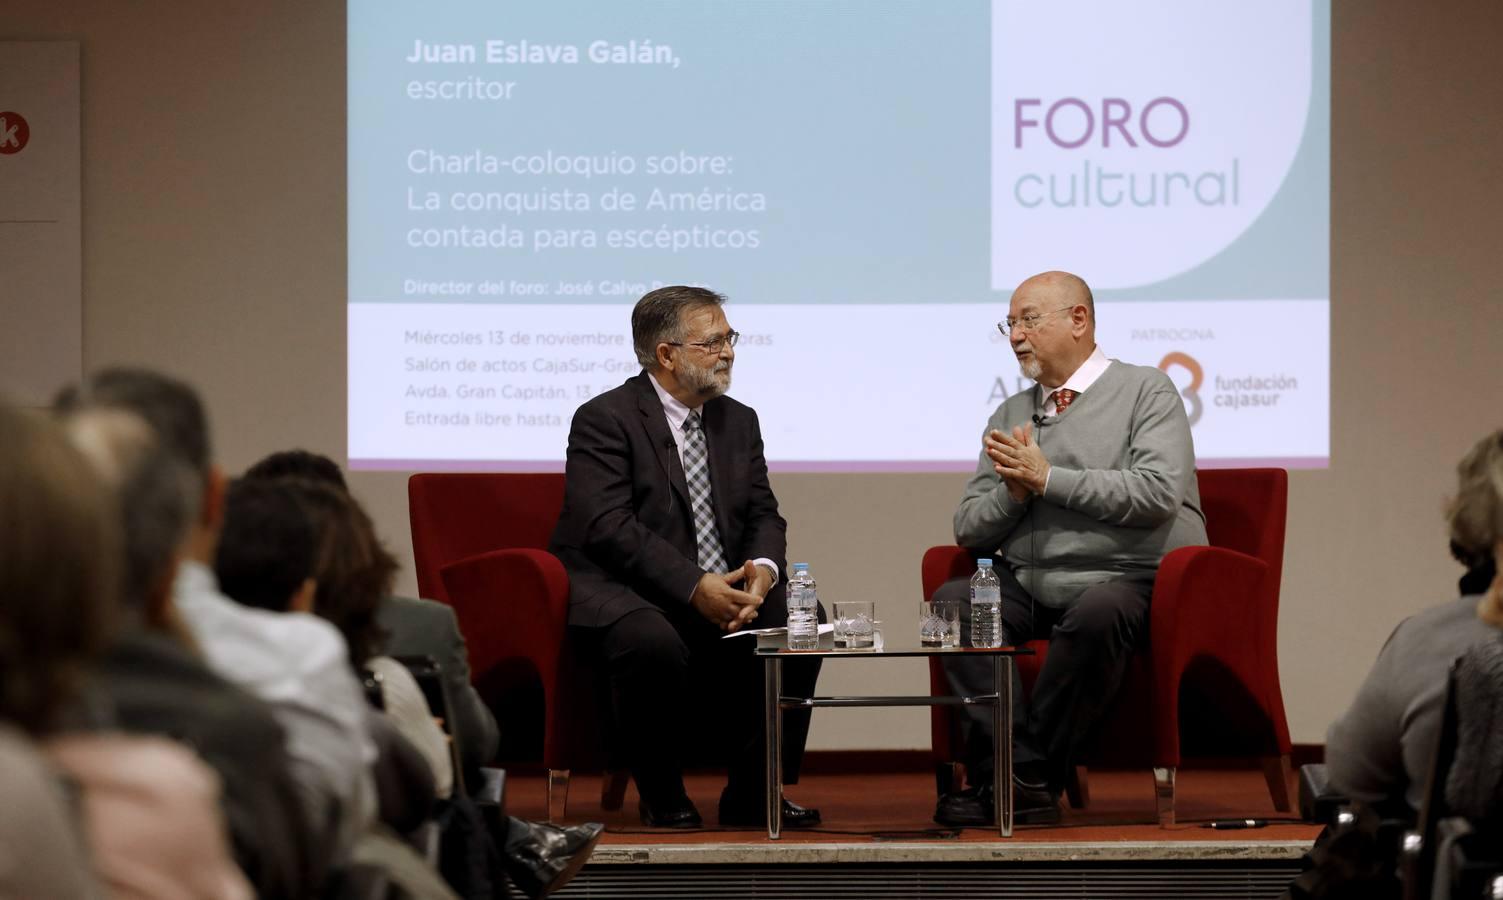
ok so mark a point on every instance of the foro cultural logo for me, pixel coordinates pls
(1154, 151)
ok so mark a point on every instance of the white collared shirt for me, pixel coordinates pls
(299, 665)
(677, 414)
(1079, 382)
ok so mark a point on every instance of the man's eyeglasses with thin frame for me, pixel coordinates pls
(1028, 323)
(713, 345)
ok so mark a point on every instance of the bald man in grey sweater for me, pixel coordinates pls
(1083, 484)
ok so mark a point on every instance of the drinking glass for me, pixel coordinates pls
(855, 624)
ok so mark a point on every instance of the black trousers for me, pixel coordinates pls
(1090, 642)
(681, 695)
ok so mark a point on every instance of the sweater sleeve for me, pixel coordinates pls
(987, 514)
(1160, 466)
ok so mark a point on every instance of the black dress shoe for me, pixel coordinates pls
(678, 813)
(549, 856)
(751, 812)
(1033, 804)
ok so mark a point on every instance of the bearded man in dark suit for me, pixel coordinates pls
(671, 536)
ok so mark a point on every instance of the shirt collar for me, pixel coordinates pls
(194, 580)
(1084, 376)
(676, 411)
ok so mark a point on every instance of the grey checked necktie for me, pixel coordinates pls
(697, 473)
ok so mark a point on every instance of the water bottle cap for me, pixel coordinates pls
(984, 563)
(798, 566)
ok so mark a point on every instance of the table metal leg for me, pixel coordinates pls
(773, 691)
(1002, 748)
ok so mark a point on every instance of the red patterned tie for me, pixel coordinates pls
(1062, 399)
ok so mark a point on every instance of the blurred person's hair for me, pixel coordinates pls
(354, 571)
(1475, 513)
(172, 408)
(157, 493)
(1481, 569)
(299, 464)
(59, 568)
(268, 546)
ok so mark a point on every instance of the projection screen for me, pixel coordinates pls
(865, 181)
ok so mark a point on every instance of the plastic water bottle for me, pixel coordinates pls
(986, 606)
(803, 610)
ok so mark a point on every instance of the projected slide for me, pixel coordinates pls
(866, 182)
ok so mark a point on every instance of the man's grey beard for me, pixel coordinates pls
(703, 382)
(1031, 368)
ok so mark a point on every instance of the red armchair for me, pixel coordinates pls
(1208, 683)
(479, 542)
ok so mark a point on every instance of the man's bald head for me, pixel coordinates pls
(1067, 287)
(1052, 326)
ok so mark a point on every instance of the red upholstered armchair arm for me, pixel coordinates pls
(1206, 598)
(943, 563)
(510, 603)
(1213, 603)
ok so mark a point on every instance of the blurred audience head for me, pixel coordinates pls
(268, 549)
(1476, 515)
(290, 518)
(169, 406)
(354, 572)
(299, 464)
(157, 495)
(176, 416)
(59, 568)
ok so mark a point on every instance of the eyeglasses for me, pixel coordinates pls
(1029, 322)
(713, 345)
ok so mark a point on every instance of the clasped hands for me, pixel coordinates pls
(718, 600)
(1018, 459)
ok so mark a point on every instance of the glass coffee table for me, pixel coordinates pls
(1000, 702)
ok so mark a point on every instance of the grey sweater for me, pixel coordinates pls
(1121, 489)
(1382, 747)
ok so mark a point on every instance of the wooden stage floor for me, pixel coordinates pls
(886, 807)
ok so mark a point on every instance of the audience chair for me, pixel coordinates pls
(428, 674)
(1207, 684)
(1456, 850)
(479, 544)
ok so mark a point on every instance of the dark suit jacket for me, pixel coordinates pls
(426, 628)
(626, 533)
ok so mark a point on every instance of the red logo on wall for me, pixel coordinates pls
(14, 132)
(1191, 394)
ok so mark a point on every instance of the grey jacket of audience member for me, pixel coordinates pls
(1382, 747)
(426, 628)
(154, 685)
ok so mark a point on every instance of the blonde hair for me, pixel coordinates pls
(1476, 513)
